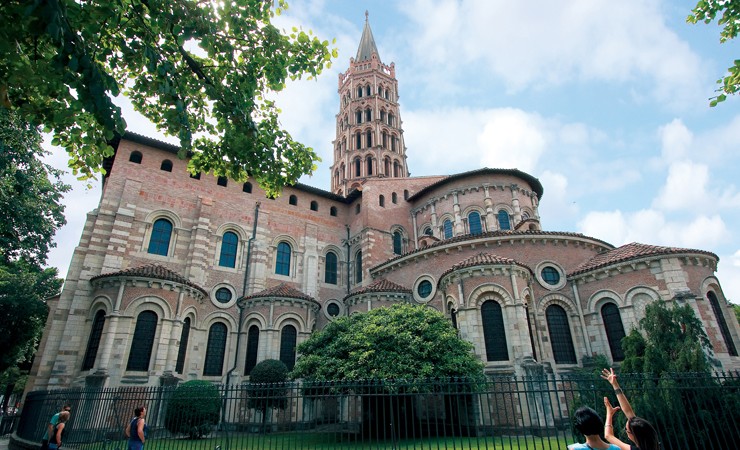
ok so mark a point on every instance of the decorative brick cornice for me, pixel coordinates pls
(282, 293)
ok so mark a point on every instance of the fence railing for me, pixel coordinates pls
(689, 411)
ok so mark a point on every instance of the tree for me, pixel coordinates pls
(30, 193)
(399, 342)
(729, 12)
(670, 339)
(267, 387)
(193, 68)
(194, 409)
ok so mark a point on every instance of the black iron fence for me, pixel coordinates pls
(689, 411)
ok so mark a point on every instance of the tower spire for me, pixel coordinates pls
(369, 141)
(367, 42)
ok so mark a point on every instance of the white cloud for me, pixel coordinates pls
(541, 43)
(512, 138)
(687, 188)
(649, 226)
(676, 141)
(558, 205)
(728, 273)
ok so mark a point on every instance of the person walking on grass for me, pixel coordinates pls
(639, 431)
(137, 429)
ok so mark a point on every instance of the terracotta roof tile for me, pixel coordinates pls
(381, 285)
(281, 290)
(153, 271)
(630, 251)
(484, 259)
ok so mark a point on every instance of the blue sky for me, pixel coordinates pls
(605, 102)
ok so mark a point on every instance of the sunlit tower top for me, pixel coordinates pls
(369, 140)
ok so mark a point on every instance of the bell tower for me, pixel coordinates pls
(369, 142)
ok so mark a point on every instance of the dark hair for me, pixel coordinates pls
(587, 421)
(645, 435)
(139, 410)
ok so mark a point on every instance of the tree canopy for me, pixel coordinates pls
(399, 342)
(671, 339)
(728, 12)
(201, 71)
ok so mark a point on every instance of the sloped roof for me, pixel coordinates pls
(492, 234)
(153, 271)
(281, 290)
(630, 251)
(367, 43)
(484, 259)
(533, 182)
(381, 285)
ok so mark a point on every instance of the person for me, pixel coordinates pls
(639, 430)
(589, 423)
(137, 429)
(55, 436)
(52, 423)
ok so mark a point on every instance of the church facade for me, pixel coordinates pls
(196, 277)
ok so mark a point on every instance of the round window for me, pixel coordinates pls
(333, 309)
(551, 275)
(424, 289)
(223, 295)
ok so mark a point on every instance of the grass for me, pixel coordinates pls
(329, 441)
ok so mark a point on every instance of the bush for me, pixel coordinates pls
(194, 409)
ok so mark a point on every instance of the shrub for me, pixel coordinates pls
(267, 385)
(194, 409)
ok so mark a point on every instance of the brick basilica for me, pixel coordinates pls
(195, 277)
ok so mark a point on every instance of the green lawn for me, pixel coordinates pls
(297, 441)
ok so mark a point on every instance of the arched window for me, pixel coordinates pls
(358, 167)
(358, 267)
(368, 115)
(369, 162)
(358, 117)
(358, 140)
(330, 271)
(367, 90)
(560, 337)
(614, 330)
(384, 136)
(494, 334)
(287, 346)
(282, 263)
(135, 157)
(474, 225)
(503, 220)
(247, 187)
(405, 194)
(333, 211)
(293, 200)
(93, 342)
(359, 91)
(314, 205)
(222, 181)
(381, 201)
(159, 241)
(394, 198)
(395, 168)
(724, 330)
(387, 170)
(142, 342)
(368, 139)
(195, 176)
(215, 350)
(428, 231)
(397, 243)
(182, 351)
(253, 345)
(229, 244)
(166, 165)
(447, 225)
